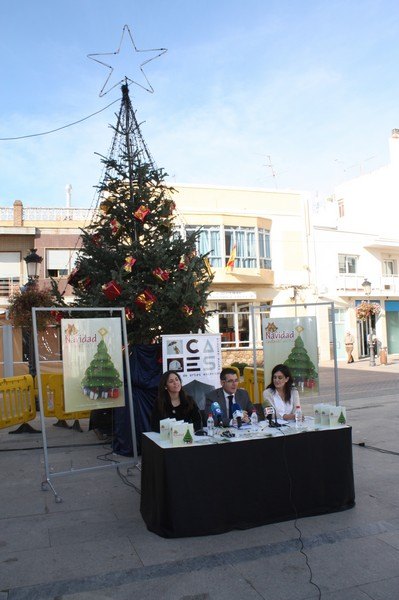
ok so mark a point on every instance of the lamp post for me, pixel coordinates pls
(32, 261)
(367, 291)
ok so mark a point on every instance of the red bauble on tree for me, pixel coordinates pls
(112, 290)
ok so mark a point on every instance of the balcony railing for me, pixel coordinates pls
(58, 214)
(7, 214)
(384, 285)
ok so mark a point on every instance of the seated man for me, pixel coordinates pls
(227, 395)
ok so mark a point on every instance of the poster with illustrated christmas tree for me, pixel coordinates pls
(92, 363)
(292, 341)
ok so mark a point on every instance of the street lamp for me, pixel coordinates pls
(367, 291)
(33, 261)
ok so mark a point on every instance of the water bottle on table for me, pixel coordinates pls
(298, 417)
(210, 425)
(254, 419)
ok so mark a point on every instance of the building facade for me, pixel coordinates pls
(268, 230)
(356, 240)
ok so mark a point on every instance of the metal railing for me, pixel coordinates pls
(7, 214)
(58, 214)
(384, 285)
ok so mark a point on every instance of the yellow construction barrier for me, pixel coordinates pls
(17, 400)
(249, 383)
(53, 398)
(234, 369)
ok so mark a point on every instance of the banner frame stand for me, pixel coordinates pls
(49, 475)
(253, 309)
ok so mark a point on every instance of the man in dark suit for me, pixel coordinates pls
(227, 395)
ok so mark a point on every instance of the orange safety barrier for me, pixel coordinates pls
(53, 398)
(17, 400)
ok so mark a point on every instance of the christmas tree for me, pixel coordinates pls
(133, 253)
(101, 379)
(188, 438)
(299, 363)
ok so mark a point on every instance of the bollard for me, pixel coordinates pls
(383, 356)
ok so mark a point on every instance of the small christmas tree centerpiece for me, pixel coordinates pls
(188, 438)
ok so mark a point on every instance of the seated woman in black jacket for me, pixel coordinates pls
(173, 402)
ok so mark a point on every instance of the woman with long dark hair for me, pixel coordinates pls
(173, 402)
(280, 393)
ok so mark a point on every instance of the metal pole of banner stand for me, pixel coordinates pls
(254, 357)
(129, 389)
(41, 405)
(334, 340)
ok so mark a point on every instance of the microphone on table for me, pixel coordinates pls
(237, 414)
(217, 413)
(269, 411)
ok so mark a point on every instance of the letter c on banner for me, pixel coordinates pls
(189, 346)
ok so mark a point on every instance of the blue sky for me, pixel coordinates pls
(312, 84)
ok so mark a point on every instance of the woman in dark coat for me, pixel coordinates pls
(173, 402)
